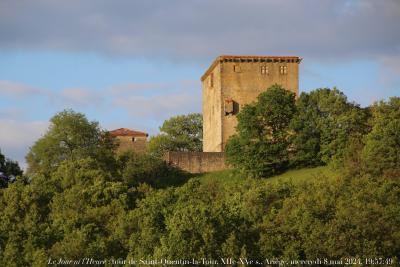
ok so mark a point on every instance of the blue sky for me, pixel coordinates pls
(136, 63)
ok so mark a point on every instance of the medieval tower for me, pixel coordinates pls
(233, 81)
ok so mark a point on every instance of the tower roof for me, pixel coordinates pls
(249, 58)
(127, 132)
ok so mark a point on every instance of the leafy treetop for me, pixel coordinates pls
(179, 133)
(70, 136)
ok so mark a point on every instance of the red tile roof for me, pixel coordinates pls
(127, 132)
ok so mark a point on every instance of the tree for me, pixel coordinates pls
(261, 144)
(179, 133)
(70, 136)
(323, 126)
(381, 153)
(8, 168)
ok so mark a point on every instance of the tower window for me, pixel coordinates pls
(133, 139)
(236, 68)
(228, 106)
(283, 70)
(264, 70)
(211, 80)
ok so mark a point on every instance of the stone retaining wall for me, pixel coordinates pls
(197, 162)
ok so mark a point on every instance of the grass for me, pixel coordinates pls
(232, 177)
(303, 175)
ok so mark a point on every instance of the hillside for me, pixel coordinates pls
(85, 202)
(233, 177)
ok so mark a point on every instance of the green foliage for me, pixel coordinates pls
(234, 178)
(306, 137)
(144, 168)
(190, 222)
(70, 136)
(98, 215)
(24, 228)
(260, 147)
(381, 153)
(179, 133)
(323, 126)
(84, 212)
(350, 222)
(359, 219)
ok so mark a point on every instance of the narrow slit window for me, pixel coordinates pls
(211, 80)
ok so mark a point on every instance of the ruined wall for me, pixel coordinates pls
(197, 162)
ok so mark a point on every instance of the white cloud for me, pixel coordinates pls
(79, 97)
(13, 112)
(148, 100)
(161, 105)
(391, 63)
(156, 101)
(388, 77)
(134, 88)
(17, 136)
(19, 90)
(68, 97)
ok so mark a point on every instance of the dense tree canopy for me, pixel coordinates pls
(324, 125)
(95, 216)
(70, 136)
(261, 144)
(179, 133)
(381, 153)
(319, 129)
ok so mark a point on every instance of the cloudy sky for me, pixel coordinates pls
(135, 63)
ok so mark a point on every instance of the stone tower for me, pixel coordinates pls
(233, 81)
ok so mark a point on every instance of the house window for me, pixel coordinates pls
(283, 70)
(264, 70)
(236, 68)
(133, 139)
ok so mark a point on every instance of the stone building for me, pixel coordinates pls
(129, 139)
(233, 81)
